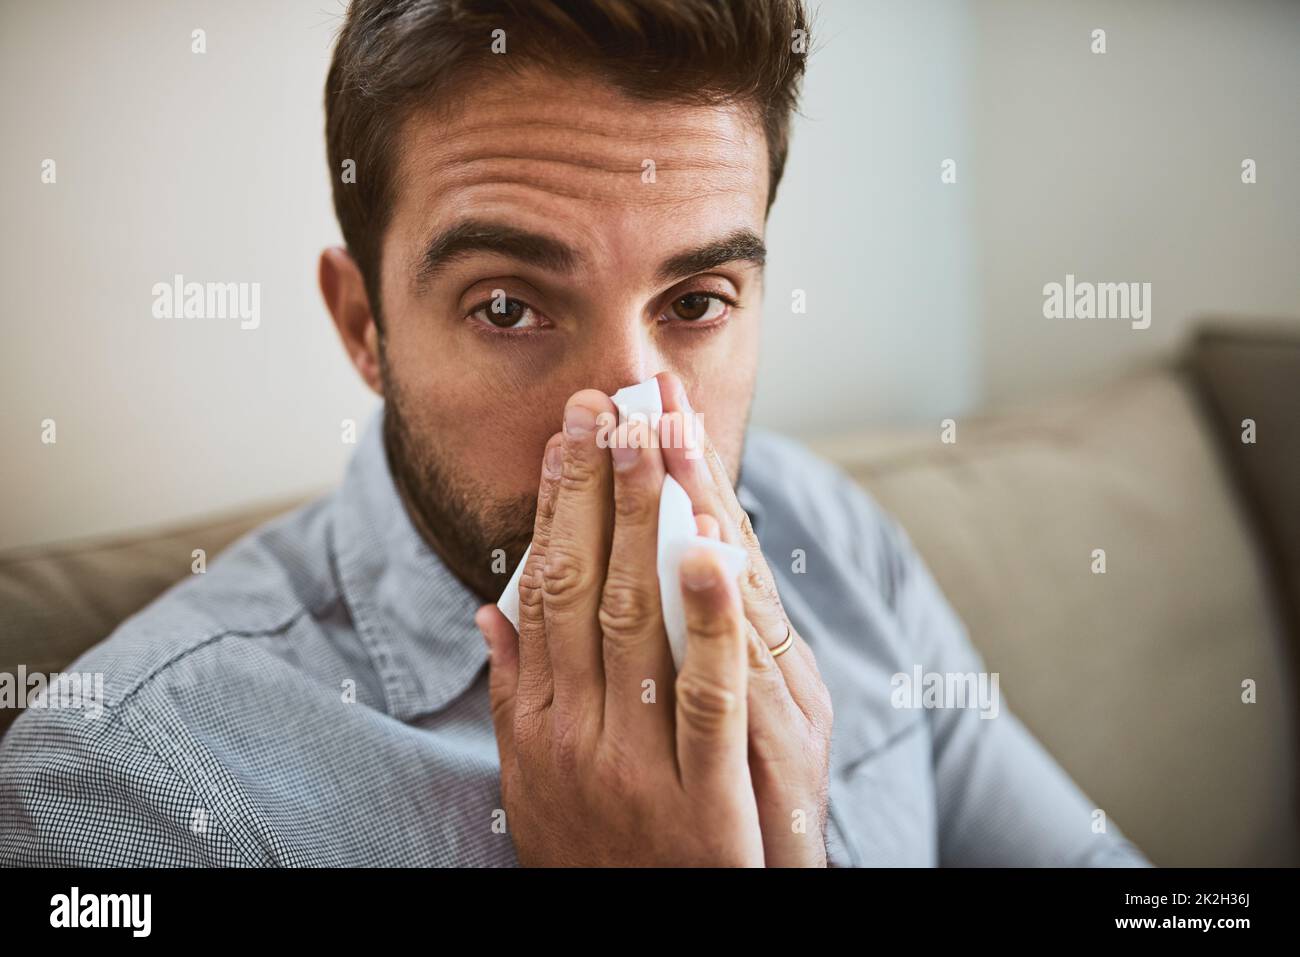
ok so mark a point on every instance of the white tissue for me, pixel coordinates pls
(677, 533)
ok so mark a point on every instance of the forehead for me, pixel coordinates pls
(572, 155)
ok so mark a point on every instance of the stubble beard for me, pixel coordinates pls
(456, 515)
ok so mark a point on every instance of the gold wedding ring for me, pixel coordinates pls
(786, 645)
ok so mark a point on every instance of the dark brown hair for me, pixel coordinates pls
(393, 55)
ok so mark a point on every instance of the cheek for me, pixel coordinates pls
(478, 415)
(469, 421)
(503, 445)
(498, 437)
(719, 382)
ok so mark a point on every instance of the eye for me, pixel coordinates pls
(503, 312)
(698, 307)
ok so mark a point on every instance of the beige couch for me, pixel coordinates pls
(1132, 678)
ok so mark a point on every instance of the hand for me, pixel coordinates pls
(789, 707)
(591, 773)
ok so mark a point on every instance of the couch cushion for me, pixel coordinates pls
(55, 602)
(1132, 678)
(1251, 370)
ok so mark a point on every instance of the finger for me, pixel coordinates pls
(503, 677)
(690, 459)
(710, 689)
(707, 526)
(771, 704)
(778, 734)
(537, 687)
(631, 616)
(682, 440)
(773, 712)
(694, 462)
(577, 551)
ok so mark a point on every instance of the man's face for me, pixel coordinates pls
(533, 251)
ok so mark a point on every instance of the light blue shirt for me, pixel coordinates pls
(319, 697)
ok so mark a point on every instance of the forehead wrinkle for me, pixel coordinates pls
(566, 126)
(587, 148)
(602, 185)
(721, 155)
(566, 108)
(569, 101)
(554, 172)
(567, 129)
(673, 184)
(602, 145)
(631, 166)
(634, 193)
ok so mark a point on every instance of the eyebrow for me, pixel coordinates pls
(743, 245)
(545, 252)
(473, 236)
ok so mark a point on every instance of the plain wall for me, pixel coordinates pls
(168, 162)
(1126, 166)
(882, 249)
(923, 298)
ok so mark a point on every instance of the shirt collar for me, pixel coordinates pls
(412, 615)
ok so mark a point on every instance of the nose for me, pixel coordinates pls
(623, 355)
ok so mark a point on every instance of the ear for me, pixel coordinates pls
(344, 291)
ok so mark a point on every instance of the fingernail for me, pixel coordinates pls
(554, 458)
(698, 573)
(579, 420)
(624, 455)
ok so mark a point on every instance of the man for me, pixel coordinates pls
(550, 201)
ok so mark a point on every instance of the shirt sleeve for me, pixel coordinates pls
(82, 791)
(1002, 799)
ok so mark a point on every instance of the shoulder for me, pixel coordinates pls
(119, 776)
(277, 575)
